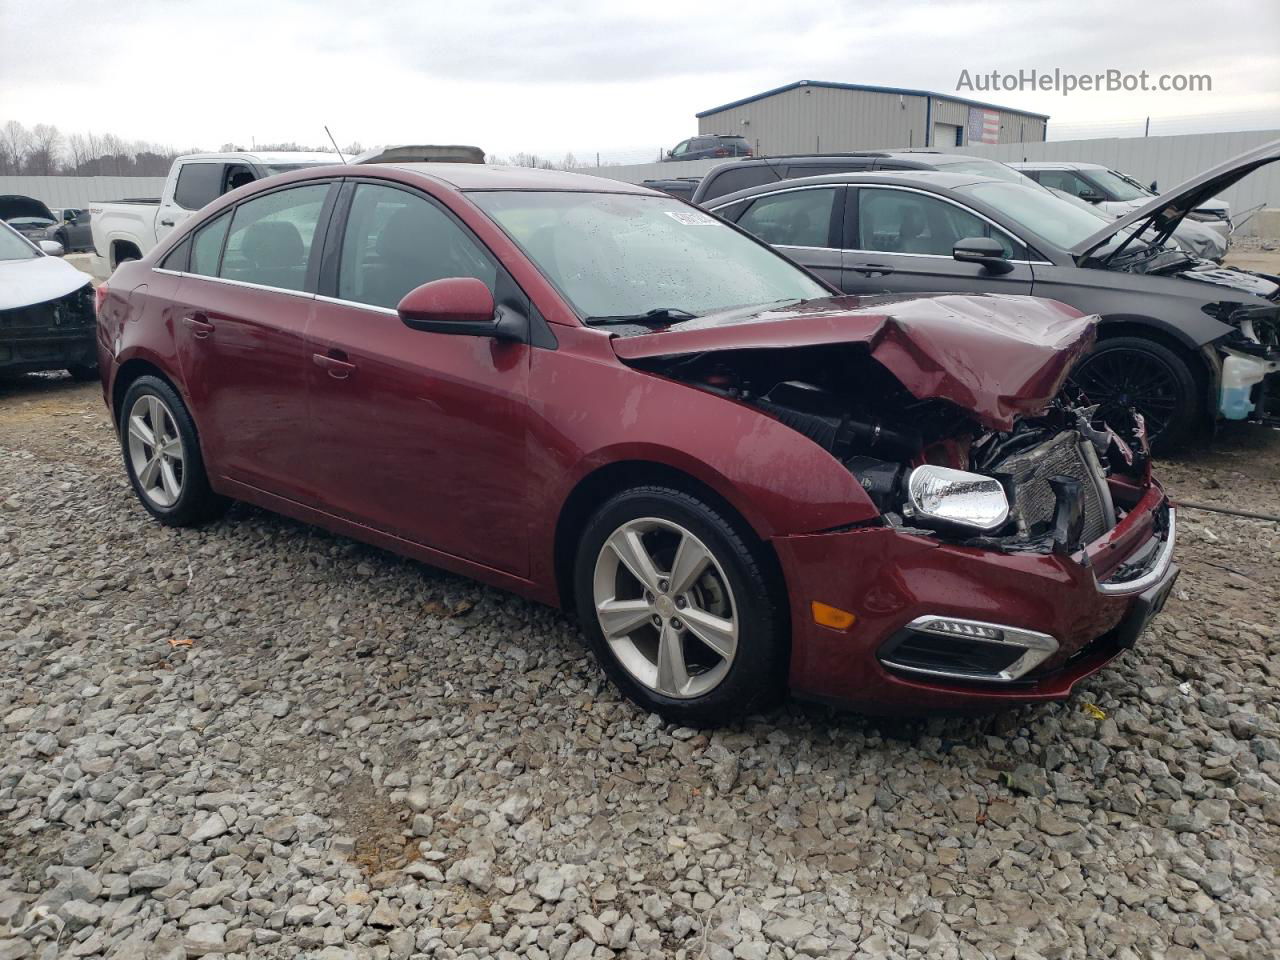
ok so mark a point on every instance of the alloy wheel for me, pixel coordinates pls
(155, 450)
(665, 608)
(1119, 379)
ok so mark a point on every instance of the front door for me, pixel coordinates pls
(803, 223)
(420, 435)
(245, 302)
(900, 240)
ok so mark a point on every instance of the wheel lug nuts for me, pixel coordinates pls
(681, 602)
(677, 625)
(657, 620)
(648, 597)
(663, 585)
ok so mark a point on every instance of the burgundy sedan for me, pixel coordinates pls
(601, 398)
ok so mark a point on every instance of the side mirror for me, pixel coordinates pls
(457, 305)
(1154, 189)
(51, 247)
(984, 251)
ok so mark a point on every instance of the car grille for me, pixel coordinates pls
(67, 314)
(1066, 455)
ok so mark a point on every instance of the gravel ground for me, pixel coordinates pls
(257, 739)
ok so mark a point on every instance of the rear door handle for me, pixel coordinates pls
(166, 223)
(199, 325)
(335, 362)
(872, 269)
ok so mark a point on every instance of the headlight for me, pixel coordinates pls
(954, 496)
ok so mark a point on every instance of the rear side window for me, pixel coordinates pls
(395, 241)
(207, 246)
(797, 218)
(198, 183)
(270, 238)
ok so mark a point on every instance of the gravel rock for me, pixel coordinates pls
(257, 740)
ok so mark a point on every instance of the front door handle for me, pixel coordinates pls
(335, 362)
(166, 223)
(199, 325)
(872, 269)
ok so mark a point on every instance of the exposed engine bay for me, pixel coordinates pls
(1042, 486)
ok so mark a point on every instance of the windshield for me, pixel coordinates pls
(13, 247)
(986, 168)
(1040, 211)
(616, 255)
(1115, 186)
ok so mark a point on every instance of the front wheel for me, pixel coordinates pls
(1125, 372)
(162, 455)
(677, 606)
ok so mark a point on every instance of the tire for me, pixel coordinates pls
(1153, 378)
(83, 372)
(173, 486)
(724, 677)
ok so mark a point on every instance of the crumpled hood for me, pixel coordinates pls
(27, 282)
(996, 356)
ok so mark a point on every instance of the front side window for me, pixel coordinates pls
(270, 238)
(1068, 181)
(198, 184)
(899, 221)
(1057, 220)
(613, 255)
(206, 248)
(1117, 187)
(797, 218)
(396, 240)
(13, 247)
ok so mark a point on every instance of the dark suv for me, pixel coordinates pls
(709, 147)
(732, 177)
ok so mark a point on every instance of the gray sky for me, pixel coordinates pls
(621, 78)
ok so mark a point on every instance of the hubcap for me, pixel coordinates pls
(665, 608)
(155, 451)
(1119, 379)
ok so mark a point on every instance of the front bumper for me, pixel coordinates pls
(1093, 606)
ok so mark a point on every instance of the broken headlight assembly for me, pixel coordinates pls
(956, 497)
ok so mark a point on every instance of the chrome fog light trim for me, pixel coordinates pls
(1037, 647)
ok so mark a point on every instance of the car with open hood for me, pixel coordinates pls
(1182, 340)
(603, 399)
(1117, 193)
(27, 215)
(46, 309)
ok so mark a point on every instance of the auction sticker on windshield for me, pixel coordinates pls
(690, 218)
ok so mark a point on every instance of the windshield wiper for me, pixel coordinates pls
(656, 315)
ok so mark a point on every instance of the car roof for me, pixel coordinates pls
(936, 179)
(1054, 165)
(486, 176)
(274, 157)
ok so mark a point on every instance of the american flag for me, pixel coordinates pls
(984, 125)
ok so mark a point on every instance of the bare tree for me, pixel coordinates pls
(14, 144)
(46, 145)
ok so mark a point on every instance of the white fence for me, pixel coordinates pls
(1166, 160)
(79, 191)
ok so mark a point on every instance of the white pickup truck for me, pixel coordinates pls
(127, 229)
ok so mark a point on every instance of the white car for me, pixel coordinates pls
(46, 310)
(128, 229)
(1117, 193)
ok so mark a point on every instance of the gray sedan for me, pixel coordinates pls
(1182, 340)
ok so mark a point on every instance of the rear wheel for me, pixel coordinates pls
(1124, 372)
(677, 608)
(162, 455)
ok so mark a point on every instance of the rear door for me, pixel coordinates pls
(245, 299)
(420, 435)
(900, 240)
(803, 223)
(198, 182)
